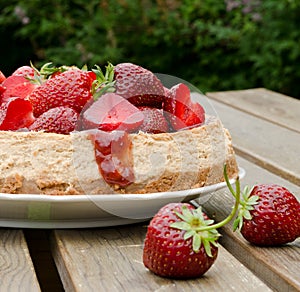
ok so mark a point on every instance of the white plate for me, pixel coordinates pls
(79, 211)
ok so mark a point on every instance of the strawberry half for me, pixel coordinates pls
(2, 77)
(154, 120)
(138, 85)
(17, 86)
(182, 112)
(60, 120)
(111, 112)
(71, 88)
(269, 215)
(15, 114)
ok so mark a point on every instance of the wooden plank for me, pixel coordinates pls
(270, 146)
(269, 105)
(45, 268)
(279, 267)
(110, 259)
(16, 268)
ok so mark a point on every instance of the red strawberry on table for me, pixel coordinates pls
(269, 215)
(181, 241)
(15, 114)
(138, 85)
(71, 88)
(182, 111)
(111, 112)
(60, 120)
(154, 121)
(179, 253)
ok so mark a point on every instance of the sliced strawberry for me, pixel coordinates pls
(25, 71)
(111, 112)
(71, 88)
(2, 89)
(113, 155)
(2, 77)
(16, 113)
(138, 85)
(181, 111)
(17, 86)
(60, 120)
(154, 121)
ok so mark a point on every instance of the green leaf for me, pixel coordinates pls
(189, 234)
(247, 215)
(207, 247)
(181, 225)
(196, 242)
(186, 214)
(236, 223)
(253, 200)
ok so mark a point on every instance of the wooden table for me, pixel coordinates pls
(265, 127)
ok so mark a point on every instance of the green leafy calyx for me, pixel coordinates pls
(246, 205)
(104, 81)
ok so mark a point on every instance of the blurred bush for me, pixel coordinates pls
(216, 45)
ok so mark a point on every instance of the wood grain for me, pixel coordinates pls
(270, 146)
(110, 259)
(16, 268)
(278, 267)
(266, 104)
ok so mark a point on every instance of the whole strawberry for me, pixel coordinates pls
(181, 241)
(60, 120)
(154, 121)
(25, 71)
(139, 85)
(174, 247)
(269, 215)
(71, 88)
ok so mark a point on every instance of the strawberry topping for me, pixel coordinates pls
(2, 77)
(71, 88)
(113, 155)
(112, 112)
(182, 111)
(139, 85)
(25, 71)
(16, 86)
(60, 120)
(154, 121)
(15, 114)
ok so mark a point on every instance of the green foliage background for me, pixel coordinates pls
(214, 44)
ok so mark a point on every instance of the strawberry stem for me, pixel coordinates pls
(200, 229)
(236, 195)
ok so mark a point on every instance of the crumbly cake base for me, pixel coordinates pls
(54, 164)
